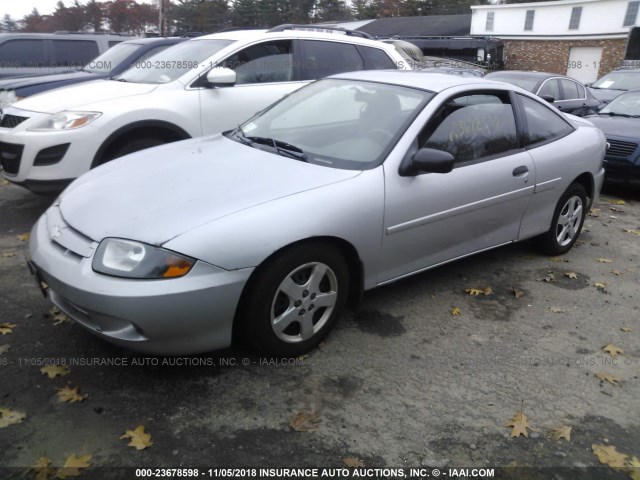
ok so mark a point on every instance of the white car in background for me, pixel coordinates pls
(198, 87)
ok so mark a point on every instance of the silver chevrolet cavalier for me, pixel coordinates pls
(267, 231)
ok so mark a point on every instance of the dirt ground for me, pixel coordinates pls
(402, 382)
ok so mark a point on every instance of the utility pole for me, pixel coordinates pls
(163, 8)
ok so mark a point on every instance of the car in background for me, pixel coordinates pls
(28, 54)
(620, 122)
(267, 230)
(614, 83)
(201, 86)
(463, 72)
(111, 63)
(566, 94)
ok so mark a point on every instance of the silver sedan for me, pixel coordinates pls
(266, 232)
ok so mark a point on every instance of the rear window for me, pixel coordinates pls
(375, 59)
(22, 54)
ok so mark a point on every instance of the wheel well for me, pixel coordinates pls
(586, 180)
(160, 130)
(349, 253)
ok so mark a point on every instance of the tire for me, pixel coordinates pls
(568, 219)
(294, 300)
(131, 146)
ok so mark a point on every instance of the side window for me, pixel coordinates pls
(471, 127)
(322, 59)
(263, 63)
(375, 59)
(571, 90)
(22, 54)
(114, 42)
(542, 123)
(551, 88)
(73, 53)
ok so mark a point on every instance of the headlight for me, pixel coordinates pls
(126, 258)
(66, 121)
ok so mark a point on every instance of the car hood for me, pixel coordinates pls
(82, 96)
(22, 82)
(605, 94)
(160, 193)
(617, 126)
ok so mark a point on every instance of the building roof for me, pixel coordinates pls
(433, 25)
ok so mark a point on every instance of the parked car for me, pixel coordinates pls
(464, 72)
(566, 94)
(614, 83)
(620, 122)
(111, 63)
(201, 86)
(266, 231)
(28, 54)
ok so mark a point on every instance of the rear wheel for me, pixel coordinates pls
(567, 222)
(295, 299)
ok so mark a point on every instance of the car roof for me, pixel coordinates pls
(525, 73)
(64, 35)
(424, 80)
(153, 40)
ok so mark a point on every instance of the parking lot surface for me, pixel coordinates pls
(424, 374)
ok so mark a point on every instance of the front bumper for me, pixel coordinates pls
(186, 315)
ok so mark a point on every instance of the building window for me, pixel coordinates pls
(528, 21)
(631, 15)
(489, 26)
(574, 23)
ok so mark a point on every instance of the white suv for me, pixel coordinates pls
(201, 86)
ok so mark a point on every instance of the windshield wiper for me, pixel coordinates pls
(616, 114)
(279, 146)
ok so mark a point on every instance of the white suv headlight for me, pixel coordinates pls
(130, 259)
(66, 121)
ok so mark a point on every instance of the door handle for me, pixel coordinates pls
(520, 171)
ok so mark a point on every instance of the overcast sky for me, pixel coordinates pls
(19, 8)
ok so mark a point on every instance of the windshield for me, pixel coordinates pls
(170, 64)
(111, 58)
(529, 84)
(338, 123)
(619, 81)
(626, 104)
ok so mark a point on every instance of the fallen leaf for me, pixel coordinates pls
(473, 291)
(562, 432)
(4, 182)
(487, 291)
(8, 254)
(608, 455)
(139, 438)
(600, 285)
(305, 421)
(4, 348)
(612, 350)
(604, 260)
(54, 371)
(58, 316)
(42, 468)
(549, 278)
(616, 272)
(612, 379)
(624, 329)
(520, 423)
(615, 209)
(517, 293)
(352, 462)
(634, 468)
(613, 217)
(617, 202)
(593, 212)
(23, 237)
(10, 417)
(571, 275)
(7, 328)
(70, 395)
(455, 311)
(73, 465)
(556, 310)
(628, 230)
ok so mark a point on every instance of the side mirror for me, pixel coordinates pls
(548, 98)
(221, 77)
(428, 160)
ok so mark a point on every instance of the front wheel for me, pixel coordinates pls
(567, 222)
(295, 300)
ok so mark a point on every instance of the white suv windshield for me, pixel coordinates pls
(170, 64)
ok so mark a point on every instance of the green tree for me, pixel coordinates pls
(328, 10)
(94, 15)
(8, 24)
(35, 23)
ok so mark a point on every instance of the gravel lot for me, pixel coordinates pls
(400, 383)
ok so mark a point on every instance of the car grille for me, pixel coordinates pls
(11, 121)
(618, 148)
(10, 156)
